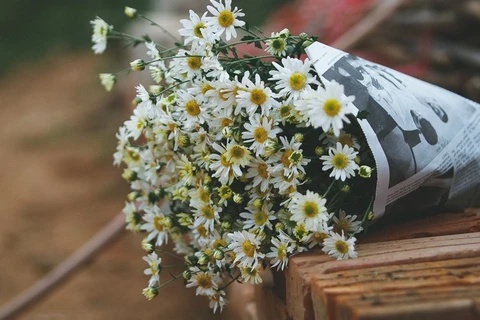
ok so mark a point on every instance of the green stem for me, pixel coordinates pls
(170, 254)
(162, 28)
(171, 87)
(329, 188)
(230, 282)
(251, 58)
(171, 280)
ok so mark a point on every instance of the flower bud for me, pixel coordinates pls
(237, 198)
(150, 293)
(279, 226)
(226, 225)
(257, 203)
(137, 65)
(191, 260)
(147, 245)
(298, 137)
(130, 12)
(319, 151)
(218, 254)
(107, 80)
(227, 132)
(132, 196)
(303, 36)
(136, 101)
(129, 175)
(306, 43)
(345, 189)
(155, 89)
(365, 171)
(285, 33)
(203, 260)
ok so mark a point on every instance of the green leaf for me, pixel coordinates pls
(246, 38)
(258, 44)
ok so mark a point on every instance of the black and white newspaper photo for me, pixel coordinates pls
(417, 132)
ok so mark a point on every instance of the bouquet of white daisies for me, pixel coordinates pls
(257, 158)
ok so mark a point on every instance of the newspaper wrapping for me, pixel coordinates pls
(425, 139)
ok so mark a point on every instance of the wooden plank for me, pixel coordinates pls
(302, 268)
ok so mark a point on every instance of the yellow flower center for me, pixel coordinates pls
(153, 268)
(208, 212)
(310, 209)
(342, 225)
(297, 81)
(286, 158)
(226, 122)
(205, 87)
(262, 170)
(202, 231)
(339, 161)
(248, 248)
(204, 196)
(278, 45)
(204, 281)
(332, 107)
(219, 243)
(281, 252)
(237, 153)
(258, 96)
(194, 63)
(171, 126)
(260, 134)
(320, 236)
(197, 29)
(140, 124)
(285, 111)
(192, 108)
(158, 223)
(260, 218)
(341, 246)
(225, 18)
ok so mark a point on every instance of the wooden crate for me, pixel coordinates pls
(428, 268)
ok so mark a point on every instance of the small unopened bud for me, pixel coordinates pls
(227, 132)
(298, 137)
(137, 65)
(132, 196)
(130, 12)
(257, 203)
(370, 216)
(150, 293)
(279, 226)
(107, 80)
(191, 260)
(345, 189)
(319, 151)
(218, 254)
(184, 141)
(129, 175)
(203, 260)
(237, 198)
(167, 222)
(285, 33)
(155, 89)
(147, 245)
(136, 101)
(226, 225)
(365, 171)
(295, 157)
(187, 274)
(303, 36)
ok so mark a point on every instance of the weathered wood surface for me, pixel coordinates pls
(432, 261)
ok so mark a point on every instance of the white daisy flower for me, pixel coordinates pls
(283, 246)
(246, 247)
(156, 226)
(334, 107)
(290, 158)
(122, 137)
(347, 224)
(238, 156)
(339, 247)
(251, 275)
(218, 301)
(341, 159)
(206, 215)
(255, 95)
(148, 101)
(276, 46)
(317, 236)
(259, 130)
(191, 64)
(154, 270)
(222, 167)
(192, 29)
(185, 169)
(100, 33)
(192, 108)
(293, 78)
(204, 281)
(152, 51)
(258, 170)
(308, 209)
(258, 218)
(224, 19)
(284, 183)
(137, 122)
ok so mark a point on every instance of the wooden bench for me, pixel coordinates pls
(427, 268)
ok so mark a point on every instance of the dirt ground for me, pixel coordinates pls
(58, 188)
